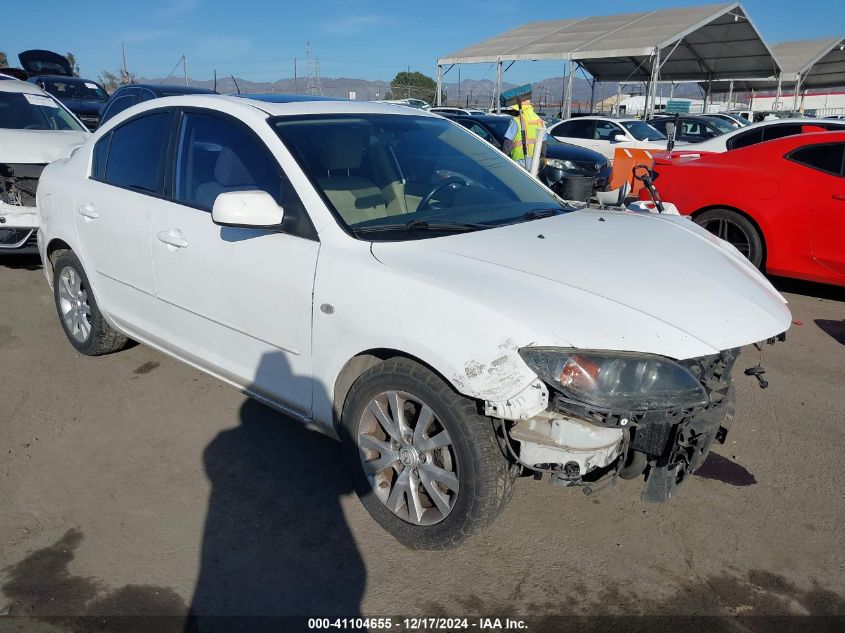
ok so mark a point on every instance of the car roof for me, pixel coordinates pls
(175, 88)
(592, 117)
(21, 86)
(63, 78)
(311, 107)
(274, 97)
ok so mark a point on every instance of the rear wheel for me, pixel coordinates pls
(84, 325)
(426, 464)
(735, 229)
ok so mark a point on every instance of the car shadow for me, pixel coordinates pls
(276, 547)
(20, 261)
(809, 288)
(836, 329)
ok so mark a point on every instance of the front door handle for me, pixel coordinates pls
(88, 210)
(173, 237)
(839, 196)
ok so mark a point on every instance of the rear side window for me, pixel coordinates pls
(579, 128)
(827, 158)
(746, 139)
(136, 153)
(779, 131)
(98, 160)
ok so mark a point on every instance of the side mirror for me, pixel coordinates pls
(620, 138)
(247, 209)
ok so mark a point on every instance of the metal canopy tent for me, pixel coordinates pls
(704, 43)
(805, 64)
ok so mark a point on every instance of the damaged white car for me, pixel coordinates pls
(384, 274)
(35, 129)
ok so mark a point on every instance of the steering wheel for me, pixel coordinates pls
(448, 182)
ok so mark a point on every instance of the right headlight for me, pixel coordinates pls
(558, 163)
(616, 380)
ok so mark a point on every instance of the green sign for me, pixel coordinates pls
(678, 106)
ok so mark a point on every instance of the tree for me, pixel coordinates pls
(113, 81)
(4, 61)
(74, 67)
(413, 84)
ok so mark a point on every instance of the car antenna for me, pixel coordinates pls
(236, 83)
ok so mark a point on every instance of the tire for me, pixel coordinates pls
(735, 228)
(440, 495)
(81, 319)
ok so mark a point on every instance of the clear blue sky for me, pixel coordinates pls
(370, 39)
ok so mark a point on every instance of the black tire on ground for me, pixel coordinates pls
(486, 479)
(102, 339)
(737, 229)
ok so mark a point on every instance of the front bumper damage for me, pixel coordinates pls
(18, 213)
(579, 445)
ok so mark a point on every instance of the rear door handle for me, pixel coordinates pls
(87, 210)
(173, 237)
(839, 196)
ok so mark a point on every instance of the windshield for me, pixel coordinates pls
(87, 90)
(380, 170)
(720, 124)
(24, 111)
(643, 131)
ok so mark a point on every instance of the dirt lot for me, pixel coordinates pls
(135, 484)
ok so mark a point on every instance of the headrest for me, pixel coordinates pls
(229, 171)
(342, 150)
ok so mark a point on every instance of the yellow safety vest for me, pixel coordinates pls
(534, 125)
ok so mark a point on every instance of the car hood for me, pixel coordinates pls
(38, 146)
(606, 280)
(40, 62)
(567, 151)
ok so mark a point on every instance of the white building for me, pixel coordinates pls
(815, 104)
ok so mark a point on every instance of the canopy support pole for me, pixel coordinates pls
(795, 96)
(730, 94)
(592, 94)
(654, 77)
(498, 85)
(708, 97)
(569, 92)
(777, 95)
(439, 84)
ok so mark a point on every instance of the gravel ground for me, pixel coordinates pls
(134, 484)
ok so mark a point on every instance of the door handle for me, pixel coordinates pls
(839, 196)
(173, 237)
(87, 210)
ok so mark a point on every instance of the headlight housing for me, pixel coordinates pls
(557, 163)
(618, 381)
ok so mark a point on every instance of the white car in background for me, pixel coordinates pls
(35, 129)
(606, 134)
(763, 131)
(388, 276)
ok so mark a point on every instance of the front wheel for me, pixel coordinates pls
(81, 319)
(735, 229)
(426, 464)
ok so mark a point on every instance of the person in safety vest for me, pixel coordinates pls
(526, 131)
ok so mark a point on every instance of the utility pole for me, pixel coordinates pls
(459, 85)
(313, 87)
(125, 72)
(295, 86)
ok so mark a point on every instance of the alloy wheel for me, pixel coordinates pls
(73, 303)
(408, 458)
(731, 232)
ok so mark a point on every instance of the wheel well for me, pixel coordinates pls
(726, 207)
(360, 363)
(54, 247)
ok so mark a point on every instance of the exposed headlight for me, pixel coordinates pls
(557, 163)
(616, 380)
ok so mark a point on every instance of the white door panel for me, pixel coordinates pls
(233, 299)
(113, 225)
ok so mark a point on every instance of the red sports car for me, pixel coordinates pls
(781, 203)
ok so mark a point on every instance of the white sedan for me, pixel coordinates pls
(763, 131)
(387, 276)
(605, 134)
(35, 129)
